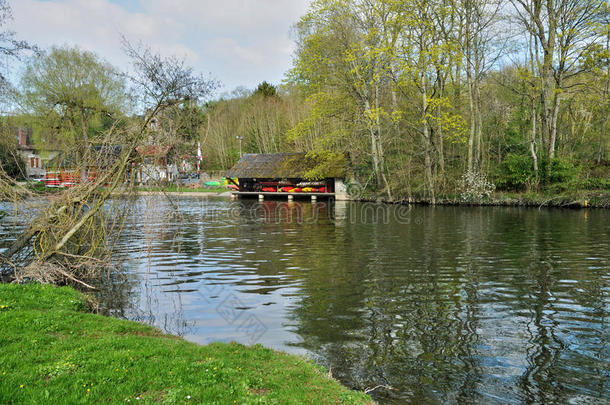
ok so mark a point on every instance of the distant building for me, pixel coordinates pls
(35, 160)
(155, 164)
(286, 174)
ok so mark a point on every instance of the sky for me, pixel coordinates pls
(239, 42)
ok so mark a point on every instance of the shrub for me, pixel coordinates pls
(561, 173)
(474, 186)
(596, 183)
(10, 162)
(515, 172)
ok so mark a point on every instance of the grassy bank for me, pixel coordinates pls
(53, 351)
(569, 199)
(572, 199)
(179, 189)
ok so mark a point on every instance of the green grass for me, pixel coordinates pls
(176, 189)
(53, 351)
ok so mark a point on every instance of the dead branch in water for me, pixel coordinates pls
(369, 390)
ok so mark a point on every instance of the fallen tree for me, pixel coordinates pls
(71, 240)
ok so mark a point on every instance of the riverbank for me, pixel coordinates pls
(54, 351)
(183, 190)
(575, 199)
(571, 199)
(187, 194)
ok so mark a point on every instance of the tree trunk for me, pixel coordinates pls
(380, 154)
(554, 118)
(548, 91)
(471, 102)
(602, 132)
(479, 124)
(426, 140)
(472, 133)
(374, 149)
(533, 119)
(533, 113)
(84, 164)
(600, 151)
(439, 129)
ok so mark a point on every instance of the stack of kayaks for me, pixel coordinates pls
(51, 179)
(290, 189)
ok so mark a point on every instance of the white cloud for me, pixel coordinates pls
(241, 42)
(260, 16)
(235, 54)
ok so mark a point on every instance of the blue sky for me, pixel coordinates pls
(240, 42)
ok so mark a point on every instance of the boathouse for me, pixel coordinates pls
(288, 175)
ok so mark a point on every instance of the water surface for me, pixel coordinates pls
(443, 304)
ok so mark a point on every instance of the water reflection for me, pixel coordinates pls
(444, 304)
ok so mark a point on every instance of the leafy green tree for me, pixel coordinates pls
(10, 47)
(265, 89)
(416, 92)
(10, 162)
(564, 30)
(70, 93)
(343, 64)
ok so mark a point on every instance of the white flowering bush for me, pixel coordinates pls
(474, 186)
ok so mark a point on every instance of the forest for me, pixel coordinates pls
(424, 99)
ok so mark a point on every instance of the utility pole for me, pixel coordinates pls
(240, 138)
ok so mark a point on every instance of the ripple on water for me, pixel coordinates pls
(456, 305)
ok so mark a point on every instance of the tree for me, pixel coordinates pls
(69, 91)
(478, 37)
(342, 61)
(266, 89)
(10, 162)
(415, 92)
(10, 46)
(564, 30)
(78, 228)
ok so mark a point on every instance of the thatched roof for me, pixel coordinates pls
(280, 166)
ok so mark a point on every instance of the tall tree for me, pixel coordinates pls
(565, 30)
(69, 91)
(479, 43)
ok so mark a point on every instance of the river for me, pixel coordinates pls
(432, 304)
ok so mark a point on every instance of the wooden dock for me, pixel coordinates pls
(281, 194)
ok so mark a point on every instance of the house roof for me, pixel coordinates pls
(153, 150)
(281, 166)
(102, 156)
